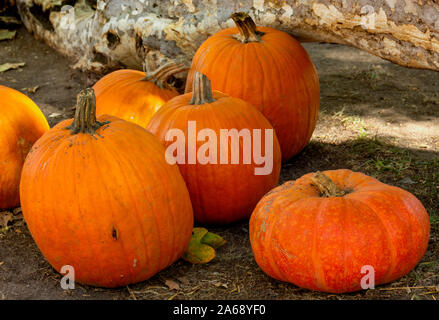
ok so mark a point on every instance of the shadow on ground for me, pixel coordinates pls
(233, 274)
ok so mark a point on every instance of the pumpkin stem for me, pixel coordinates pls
(161, 75)
(326, 186)
(85, 114)
(246, 27)
(202, 90)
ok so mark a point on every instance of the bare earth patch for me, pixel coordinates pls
(375, 117)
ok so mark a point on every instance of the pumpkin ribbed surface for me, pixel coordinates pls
(106, 203)
(133, 95)
(221, 193)
(21, 124)
(322, 243)
(273, 72)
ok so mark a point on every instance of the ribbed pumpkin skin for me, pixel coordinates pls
(322, 243)
(220, 193)
(124, 94)
(21, 124)
(109, 205)
(276, 75)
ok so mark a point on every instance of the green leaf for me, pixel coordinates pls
(9, 20)
(213, 240)
(201, 248)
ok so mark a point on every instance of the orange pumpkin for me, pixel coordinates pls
(222, 190)
(98, 195)
(133, 95)
(269, 69)
(21, 124)
(338, 230)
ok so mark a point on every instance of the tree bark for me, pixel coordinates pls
(113, 33)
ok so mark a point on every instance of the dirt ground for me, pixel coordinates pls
(375, 117)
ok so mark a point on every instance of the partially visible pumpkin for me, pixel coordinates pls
(134, 95)
(326, 232)
(221, 193)
(21, 124)
(271, 70)
(98, 195)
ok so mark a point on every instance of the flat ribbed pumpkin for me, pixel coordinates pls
(326, 231)
(134, 95)
(21, 124)
(98, 195)
(222, 191)
(269, 69)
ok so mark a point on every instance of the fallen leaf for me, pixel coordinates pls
(8, 66)
(16, 210)
(407, 180)
(201, 248)
(9, 20)
(213, 240)
(6, 34)
(172, 285)
(33, 89)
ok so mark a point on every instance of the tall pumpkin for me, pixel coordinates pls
(337, 231)
(21, 124)
(98, 195)
(222, 190)
(134, 95)
(269, 69)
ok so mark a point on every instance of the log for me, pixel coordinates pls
(104, 34)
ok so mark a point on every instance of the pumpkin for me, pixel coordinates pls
(134, 95)
(335, 231)
(222, 189)
(269, 69)
(98, 195)
(21, 124)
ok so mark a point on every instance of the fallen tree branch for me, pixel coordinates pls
(109, 33)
